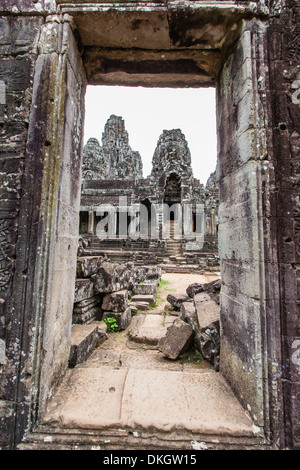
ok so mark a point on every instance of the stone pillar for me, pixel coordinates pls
(44, 280)
(284, 148)
(18, 54)
(212, 222)
(250, 338)
(91, 223)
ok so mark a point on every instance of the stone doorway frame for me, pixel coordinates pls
(251, 309)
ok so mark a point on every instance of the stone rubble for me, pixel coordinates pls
(176, 300)
(109, 290)
(119, 291)
(179, 338)
(208, 327)
(84, 339)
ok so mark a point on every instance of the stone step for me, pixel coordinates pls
(116, 439)
(119, 408)
(150, 299)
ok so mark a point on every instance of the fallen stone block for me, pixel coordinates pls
(194, 289)
(84, 305)
(138, 305)
(112, 277)
(115, 301)
(134, 309)
(208, 335)
(188, 311)
(146, 288)
(89, 265)
(84, 339)
(123, 319)
(84, 289)
(86, 317)
(177, 299)
(149, 299)
(149, 329)
(153, 272)
(102, 331)
(211, 288)
(208, 311)
(179, 339)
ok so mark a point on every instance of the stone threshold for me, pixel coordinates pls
(123, 408)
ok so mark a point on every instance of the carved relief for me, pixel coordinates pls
(296, 215)
(6, 255)
(293, 48)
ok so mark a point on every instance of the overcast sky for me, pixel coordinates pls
(148, 111)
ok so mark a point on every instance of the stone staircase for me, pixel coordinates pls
(173, 242)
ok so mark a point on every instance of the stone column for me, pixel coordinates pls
(18, 54)
(91, 223)
(284, 149)
(250, 346)
(49, 211)
(212, 222)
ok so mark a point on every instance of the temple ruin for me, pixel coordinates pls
(169, 217)
(50, 50)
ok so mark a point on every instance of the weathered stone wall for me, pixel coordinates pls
(242, 169)
(258, 116)
(284, 146)
(18, 54)
(40, 127)
(41, 170)
(59, 217)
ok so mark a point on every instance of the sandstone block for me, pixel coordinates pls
(179, 339)
(153, 272)
(187, 311)
(115, 301)
(102, 331)
(112, 277)
(177, 299)
(123, 319)
(86, 304)
(139, 305)
(194, 289)
(211, 288)
(87, 266)
(150, 299)
(208, 311)
(84, 289)
(149, 329)
(146, 288)
(208, 337)
(85, 317)
(84, 339)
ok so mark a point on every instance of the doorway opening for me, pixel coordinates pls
(243, 310)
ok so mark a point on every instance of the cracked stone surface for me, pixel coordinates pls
(129, 384)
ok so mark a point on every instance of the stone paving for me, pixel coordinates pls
(127, 383)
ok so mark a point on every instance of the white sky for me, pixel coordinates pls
(148, 111)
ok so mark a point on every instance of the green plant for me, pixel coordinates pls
(111, 323)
